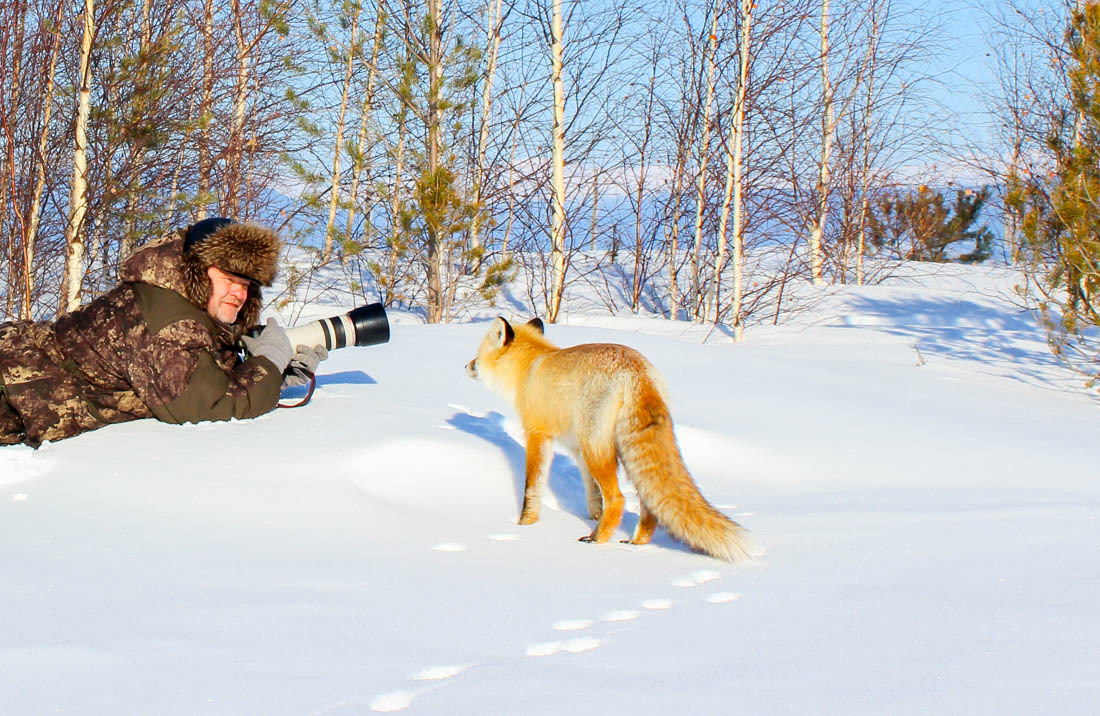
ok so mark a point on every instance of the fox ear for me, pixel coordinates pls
(502, 333)
(536, 323)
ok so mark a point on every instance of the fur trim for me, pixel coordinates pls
(248, 250)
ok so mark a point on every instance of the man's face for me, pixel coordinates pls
(227, 294)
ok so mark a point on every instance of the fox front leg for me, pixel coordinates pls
(539, 452)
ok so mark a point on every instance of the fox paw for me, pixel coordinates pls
(587, 538)
(528, 519)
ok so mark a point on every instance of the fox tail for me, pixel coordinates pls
(650, 456)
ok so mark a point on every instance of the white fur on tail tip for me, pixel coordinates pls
(744, 548)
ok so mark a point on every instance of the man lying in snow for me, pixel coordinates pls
(162, 344)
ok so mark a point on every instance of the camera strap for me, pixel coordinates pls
(309, 394)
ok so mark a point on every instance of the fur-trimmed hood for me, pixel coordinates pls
(247, 250)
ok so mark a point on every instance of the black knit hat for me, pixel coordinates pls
(201, 229)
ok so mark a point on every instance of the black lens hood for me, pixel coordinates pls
(371, 325)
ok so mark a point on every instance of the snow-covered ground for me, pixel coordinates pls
(921, 472)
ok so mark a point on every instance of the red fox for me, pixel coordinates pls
(607, 403)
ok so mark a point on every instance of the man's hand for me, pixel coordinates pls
(303, 364)
(272, 344)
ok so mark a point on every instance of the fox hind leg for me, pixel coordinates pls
(591, 490)
(604, 474)
(647, 522)
(539, 454)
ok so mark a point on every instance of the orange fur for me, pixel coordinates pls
(607, 403)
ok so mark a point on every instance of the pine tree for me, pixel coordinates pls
(1061, 211)
(919, 226)
(437, 82)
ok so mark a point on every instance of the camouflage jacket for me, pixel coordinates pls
(142, 350)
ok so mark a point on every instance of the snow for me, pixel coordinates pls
(920, 470)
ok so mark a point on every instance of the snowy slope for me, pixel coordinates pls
(921, 473)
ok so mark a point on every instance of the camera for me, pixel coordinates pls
(363, 326)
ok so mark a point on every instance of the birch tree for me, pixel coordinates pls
(697, 302)
(361, 157)
(35, 212)
(557, 219)
(256, 28)
(338, 143)
(206, 110)
(734, 193)
(828, 131)
(494, 23)
(12, 34)
(78, 201)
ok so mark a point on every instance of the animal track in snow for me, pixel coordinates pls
(393, 701)
(450, 547)
(723, 597)
(402, 699)
(545, 649)
(438, 673)
(696, 578)
(571, 646)
(657, 604)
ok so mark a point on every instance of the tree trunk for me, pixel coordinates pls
(395, 235)
(132, 194)
(511, 192)
(557, 219)
(828, 127)
(235, 151)
(26, 310)
(495, 21)
(865, 188)
(78, 196)
(643, 160)
(436, 250)
(361, 157)
(704, 152)
(338, 149)
(594, 227)
(735, 180)
(206, 109)
(9, 168)
(674, 233)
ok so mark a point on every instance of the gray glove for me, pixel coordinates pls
(272, 344)
(303, 365)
